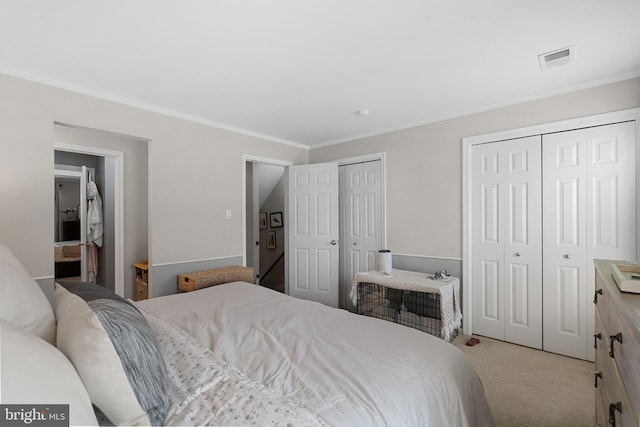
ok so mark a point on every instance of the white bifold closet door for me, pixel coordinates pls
(507, 249)
(589, 212)
(361, 222)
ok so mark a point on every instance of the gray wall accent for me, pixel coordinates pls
(424, 264)
(165, 277)
(46, 284)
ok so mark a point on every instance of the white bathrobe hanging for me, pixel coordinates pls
(95, 229)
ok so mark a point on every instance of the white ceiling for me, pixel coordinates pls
(296, 71)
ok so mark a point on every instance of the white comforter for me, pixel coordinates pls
(348, 369)
(204, 390)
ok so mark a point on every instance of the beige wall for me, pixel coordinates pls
(424, 164)
(195, 170)
(195, 174)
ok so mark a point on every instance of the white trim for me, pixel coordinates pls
(85, 149)
(479, 109)
(546, 128)
(164, 264)
(310, 146)
(559, 126)
(118, 185)
(259, 159)
(149, 107)
(372, 157)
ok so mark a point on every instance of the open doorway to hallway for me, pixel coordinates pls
(265, 227)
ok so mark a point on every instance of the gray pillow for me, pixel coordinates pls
(115, 352)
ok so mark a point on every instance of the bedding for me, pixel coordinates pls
(205, 390)
(233, 354)
(35, 372)
(22, 302)
(346, 369)
(114, 351)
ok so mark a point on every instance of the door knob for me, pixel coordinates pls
(517, 254)
(355, 243)
(567, 256)
(335, 242)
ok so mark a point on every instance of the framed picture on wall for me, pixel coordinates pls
(263, 220)
(271, 239)
(275, 220)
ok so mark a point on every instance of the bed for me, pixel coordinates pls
(233, 354)
(345, 368)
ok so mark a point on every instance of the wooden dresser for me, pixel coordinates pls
(617, 343)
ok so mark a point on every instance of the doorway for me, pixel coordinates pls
(263, 215)
(75, 167)
(362, 222)
(70, 218)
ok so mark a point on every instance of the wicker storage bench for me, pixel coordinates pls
(203, 279)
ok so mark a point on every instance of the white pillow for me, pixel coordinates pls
(22, 302)
(35, 372)
(114, 351)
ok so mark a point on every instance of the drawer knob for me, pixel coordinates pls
(596, 337)
(595, 296)
(613, 407)
(613, 339)
(597, 375)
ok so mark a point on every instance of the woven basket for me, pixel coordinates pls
(203, 279)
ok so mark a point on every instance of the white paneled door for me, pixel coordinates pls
(312, 242)
(589, 212)
(507, 249)
(361, 223)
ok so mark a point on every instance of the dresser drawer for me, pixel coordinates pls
(602, 298)
(614, 396)
(602, 417)
(611, 388)
(627, 355)
(617, 324)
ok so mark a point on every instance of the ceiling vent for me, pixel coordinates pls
(556, 58)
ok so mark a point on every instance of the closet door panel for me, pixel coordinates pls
(488, 246)
(361, 222)
(491, 293)
(523, 245)
(611, 198)
(506, 264)
(589, 213)
(612, 191)
(564, 256)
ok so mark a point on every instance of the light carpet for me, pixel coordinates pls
(527, 387)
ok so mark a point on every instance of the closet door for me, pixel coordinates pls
(506, 252)
(361, 222)
(589, 212)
